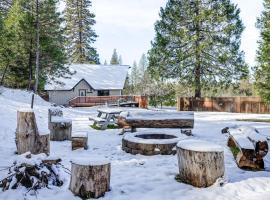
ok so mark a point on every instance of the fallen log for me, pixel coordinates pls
(249, 147)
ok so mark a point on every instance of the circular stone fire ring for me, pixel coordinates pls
(150, 143)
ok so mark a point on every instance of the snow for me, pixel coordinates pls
(99, 77)
(132, 138)
(199, 145)
(133, 176)
(157, 115)
(57, 119)
(90, 161)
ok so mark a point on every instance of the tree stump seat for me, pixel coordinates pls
(200, 163)
(28, 137)
(60, 127)
(79, 140)
(90, 178)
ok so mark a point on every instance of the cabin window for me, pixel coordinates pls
(103, 93)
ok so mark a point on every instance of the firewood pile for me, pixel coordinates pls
(34, 172)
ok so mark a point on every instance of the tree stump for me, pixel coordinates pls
(90, 178)
(200, 163)
(79, 140)
(53, 112)
(60, 127)
(27, 134)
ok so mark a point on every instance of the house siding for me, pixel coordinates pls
(63, 97)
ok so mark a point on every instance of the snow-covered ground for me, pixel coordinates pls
(133, 176)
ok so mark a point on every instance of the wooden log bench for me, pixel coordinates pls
(200, 163)
(60, 127)
(248, 146)
(28, 138)
(79, 140)
(90, 178)
(156, 119)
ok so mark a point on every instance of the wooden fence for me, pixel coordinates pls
(224, 104)
(88, 101)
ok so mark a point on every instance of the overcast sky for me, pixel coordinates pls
(128, 26)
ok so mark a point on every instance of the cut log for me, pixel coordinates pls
(157, 119)
(27, 134)
(90, 178)
(248, 146)
(79, 140)
(200, 163)
(54, 112)
(61, 129)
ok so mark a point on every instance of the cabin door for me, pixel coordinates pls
(82, 93)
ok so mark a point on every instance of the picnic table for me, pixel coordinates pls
(105, 117)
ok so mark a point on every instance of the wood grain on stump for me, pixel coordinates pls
(28, 137)
(200, 163)
(248, 146)
(60, 128)
(90, 179)
(79, 140)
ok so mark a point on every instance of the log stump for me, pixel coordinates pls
(28, 137)
(79, 140)
(90, 178)
(200, 163)
(60, 127)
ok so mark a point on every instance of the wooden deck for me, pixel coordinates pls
(139, 101)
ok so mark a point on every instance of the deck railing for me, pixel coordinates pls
(87, 101)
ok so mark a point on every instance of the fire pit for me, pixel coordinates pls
(150, 143)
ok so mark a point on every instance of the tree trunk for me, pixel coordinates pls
(200, 168)
(3, 75)
(27, 135)
(198, 61)
(90, 179)
(30, 65)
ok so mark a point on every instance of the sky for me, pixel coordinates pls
(128, 26)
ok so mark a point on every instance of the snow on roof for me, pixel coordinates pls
(99, 77)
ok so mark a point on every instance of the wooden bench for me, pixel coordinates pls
(156, 119)
(248, 146)
(105, 117)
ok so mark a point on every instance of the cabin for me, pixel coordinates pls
(88, 80)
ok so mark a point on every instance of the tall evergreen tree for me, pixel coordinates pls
(80, 33)
(198, 42)
(17, 49)
(262, 73)
(114, 58)
(120, 60)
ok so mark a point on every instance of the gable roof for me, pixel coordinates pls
(99, 77)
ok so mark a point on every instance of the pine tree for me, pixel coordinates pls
(198, 43)
(17, 49)
(80, 33)
(114, 59)
(120, 60)
(262, 73)
(105, 62)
